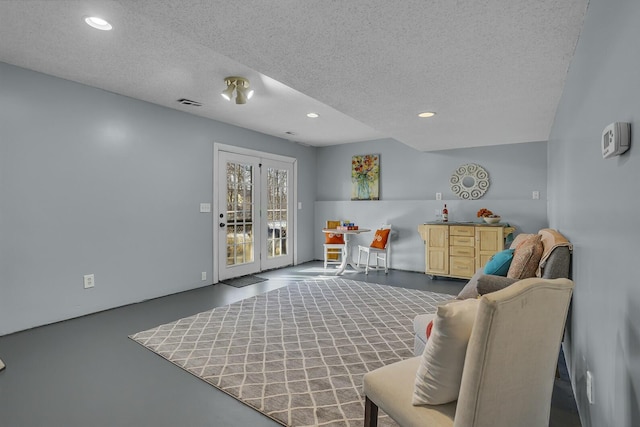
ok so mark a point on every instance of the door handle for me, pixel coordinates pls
(222, 225)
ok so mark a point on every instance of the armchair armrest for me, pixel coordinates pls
(488, 283)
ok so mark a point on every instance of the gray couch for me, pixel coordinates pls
(556, 265)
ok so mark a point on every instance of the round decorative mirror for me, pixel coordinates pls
(469, 181)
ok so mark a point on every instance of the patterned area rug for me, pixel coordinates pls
(298, 354)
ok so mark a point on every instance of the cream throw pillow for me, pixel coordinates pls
(440, 371)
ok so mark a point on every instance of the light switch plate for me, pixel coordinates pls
(205, 207)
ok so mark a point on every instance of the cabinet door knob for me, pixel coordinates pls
(222, 225)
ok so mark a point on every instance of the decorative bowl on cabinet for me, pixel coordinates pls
(491, 219)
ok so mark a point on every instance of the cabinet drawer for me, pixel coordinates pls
(462, 241)
(461, 266)
(463, 251)
(462, 230)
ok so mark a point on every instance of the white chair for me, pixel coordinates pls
(509, 367)
(333, 252)
(379, 254)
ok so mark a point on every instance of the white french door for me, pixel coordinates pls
(239, 206)
(254, 222)
(277, 209)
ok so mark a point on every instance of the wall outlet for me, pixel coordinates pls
(438, 196)
(205, 207)
(535, 195)
(89, 281)
(590, 387)
(204, 275)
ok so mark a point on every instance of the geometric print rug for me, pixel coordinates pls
(298, 354)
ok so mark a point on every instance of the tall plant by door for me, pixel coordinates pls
(365, 177)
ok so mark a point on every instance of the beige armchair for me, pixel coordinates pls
(509, 367)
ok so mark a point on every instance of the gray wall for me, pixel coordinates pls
(410, 180)
(595, 203)
(94, 182)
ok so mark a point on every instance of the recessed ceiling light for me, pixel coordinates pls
(313, 115)
(427, 114)
(97, 23)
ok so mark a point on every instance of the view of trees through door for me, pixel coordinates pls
(240, 205)
(276, 212)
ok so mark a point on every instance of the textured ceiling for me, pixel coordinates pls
(493, 70)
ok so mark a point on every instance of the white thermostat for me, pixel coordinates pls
(615, 139)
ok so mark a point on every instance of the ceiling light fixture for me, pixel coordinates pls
(97, 23)
(427, 114)
(241, 86)
(313, 115)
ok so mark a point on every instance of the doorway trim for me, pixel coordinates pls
(217, 147)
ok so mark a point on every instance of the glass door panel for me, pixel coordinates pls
(276, 193)
(238, 223)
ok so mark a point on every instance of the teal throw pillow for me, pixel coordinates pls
(499, 263)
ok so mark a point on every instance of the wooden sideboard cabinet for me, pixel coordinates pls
(458, 250)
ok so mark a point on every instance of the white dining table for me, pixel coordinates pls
(346, 250)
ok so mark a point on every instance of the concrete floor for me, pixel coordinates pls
(87, 372)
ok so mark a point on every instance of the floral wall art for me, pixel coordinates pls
(365, 177)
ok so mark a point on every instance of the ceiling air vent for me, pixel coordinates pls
(185, 101)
